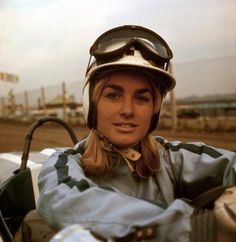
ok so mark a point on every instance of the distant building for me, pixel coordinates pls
(212, 105)
(58, 102)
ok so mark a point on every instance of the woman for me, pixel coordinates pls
(120, 182)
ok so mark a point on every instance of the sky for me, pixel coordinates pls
(47, 42)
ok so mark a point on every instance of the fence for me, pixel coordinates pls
(64, 100)
(58, 100)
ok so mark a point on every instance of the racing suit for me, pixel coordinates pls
(113, 205)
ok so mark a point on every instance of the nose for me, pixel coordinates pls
(127, 107)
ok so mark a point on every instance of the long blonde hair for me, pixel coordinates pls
(96, 160)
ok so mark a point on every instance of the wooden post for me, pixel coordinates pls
(3, 108)
(39, 103)
(173, 104)
(12, 102)
(64, 101)
(26, 103)
(43, 101)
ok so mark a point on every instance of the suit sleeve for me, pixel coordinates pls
(198, 167)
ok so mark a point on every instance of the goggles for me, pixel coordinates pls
(115, 42)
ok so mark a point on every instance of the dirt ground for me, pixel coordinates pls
(12, 136)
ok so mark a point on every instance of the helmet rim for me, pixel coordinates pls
(163, 77)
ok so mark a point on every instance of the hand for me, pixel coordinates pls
(225, 214)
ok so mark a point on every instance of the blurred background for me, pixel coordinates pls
(44, 52)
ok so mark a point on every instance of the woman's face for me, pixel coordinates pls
(125, 108)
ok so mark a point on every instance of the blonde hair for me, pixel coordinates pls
(96, 160)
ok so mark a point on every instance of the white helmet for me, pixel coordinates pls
(127, 48)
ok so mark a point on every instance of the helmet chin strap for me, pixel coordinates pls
(130, 155)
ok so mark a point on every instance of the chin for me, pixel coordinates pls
(124, 144)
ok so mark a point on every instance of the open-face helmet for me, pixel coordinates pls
(128, 47)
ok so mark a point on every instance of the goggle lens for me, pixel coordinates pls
(118, 38)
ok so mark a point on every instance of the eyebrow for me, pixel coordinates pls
(119, 88)
(116, 87)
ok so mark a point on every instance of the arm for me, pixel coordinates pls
(198, 167)
(68, 197)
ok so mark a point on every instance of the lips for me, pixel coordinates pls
(125, 127)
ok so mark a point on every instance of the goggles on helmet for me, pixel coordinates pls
(115, 42)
